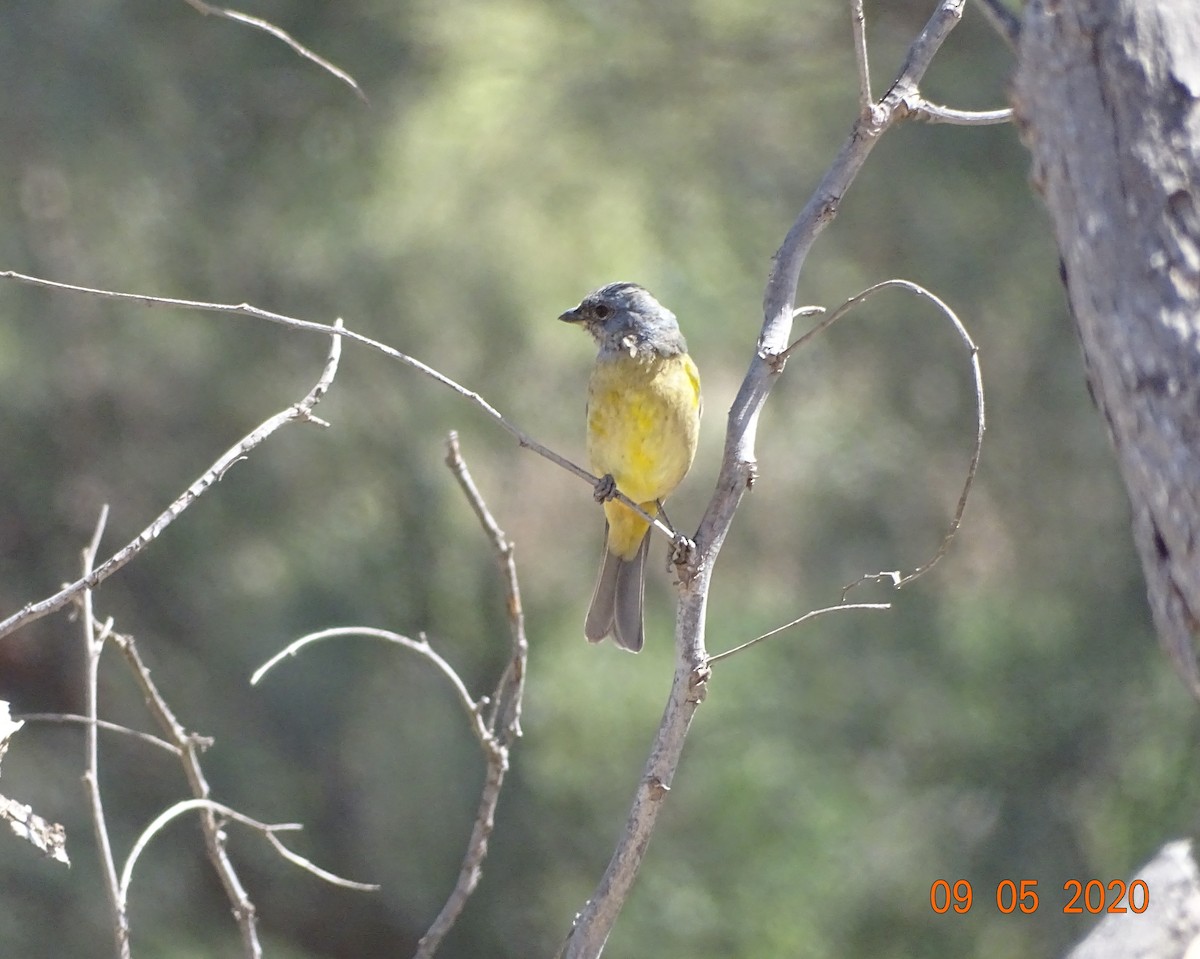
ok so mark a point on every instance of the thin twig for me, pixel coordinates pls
(245, 309)
(828, 318)
(858, 25)
(102, 724)
(279, 34)
(419, 646)
(93, 644)
(174, 812)
(504, 715)
(811, 614)
(301, 411)
(895, 576)
(309, 866)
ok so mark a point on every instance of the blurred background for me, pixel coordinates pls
(1010, 718)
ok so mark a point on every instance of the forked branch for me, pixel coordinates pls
(495, 721)
(595, 920)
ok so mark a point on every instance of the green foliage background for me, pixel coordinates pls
(1010, 719)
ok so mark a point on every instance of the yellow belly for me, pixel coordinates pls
(642, 426)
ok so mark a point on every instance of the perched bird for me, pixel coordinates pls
(643, 420)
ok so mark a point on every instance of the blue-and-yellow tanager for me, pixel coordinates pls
(643, 420)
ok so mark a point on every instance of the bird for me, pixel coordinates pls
(643, 423)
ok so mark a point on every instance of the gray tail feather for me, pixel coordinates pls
(617, 602)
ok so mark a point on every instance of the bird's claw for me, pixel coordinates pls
(682, 550)
(606, 488)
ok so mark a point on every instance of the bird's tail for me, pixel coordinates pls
(616, 607)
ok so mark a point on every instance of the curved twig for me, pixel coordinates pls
(309, 866)
(419, 646)
(897, 578)
(496, 732)
(811, 614)
(174, 812)
(189, 747)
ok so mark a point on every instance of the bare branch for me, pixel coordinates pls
(920, 55)
(301, 411)
(738, 462)
(595, 920)
(811, 614)
(899, 580)
(102, 724)
(174, 812)
(309, 866)
(245, 309)
(688, 689)
(504, 719)
(93, 646)
(268, 27)
(495, 734)
(419, 646)
(858, 24)
(918, 108)
(189, 747)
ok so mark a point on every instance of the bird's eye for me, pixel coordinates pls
(601, 311)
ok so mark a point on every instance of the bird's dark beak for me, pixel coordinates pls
(571, 316)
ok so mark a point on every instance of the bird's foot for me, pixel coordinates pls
(606, 488)
(683, 551)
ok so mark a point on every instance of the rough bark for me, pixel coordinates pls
(1107, 95)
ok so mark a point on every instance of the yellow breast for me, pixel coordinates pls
(643, 422)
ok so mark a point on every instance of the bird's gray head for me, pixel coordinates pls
(625, 318)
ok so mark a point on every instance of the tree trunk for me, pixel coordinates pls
(1108, 98)
(1107, 95)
